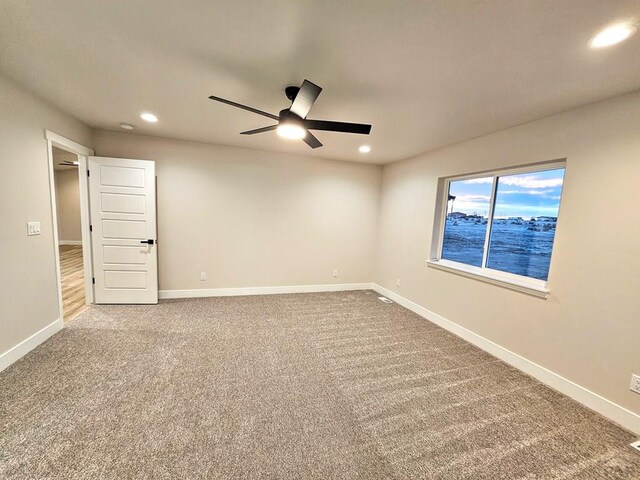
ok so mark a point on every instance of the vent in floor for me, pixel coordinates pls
(385, 299)
(636, 445)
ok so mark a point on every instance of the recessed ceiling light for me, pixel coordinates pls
(612, 35)
(291, 130)
(149, 117)
(364, 149)
(126, 126)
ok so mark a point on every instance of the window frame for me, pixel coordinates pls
(522, 283)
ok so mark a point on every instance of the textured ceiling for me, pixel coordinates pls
(424, 73)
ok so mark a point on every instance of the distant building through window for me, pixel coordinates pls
(504, 221)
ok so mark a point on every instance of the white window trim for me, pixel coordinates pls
(521, 283)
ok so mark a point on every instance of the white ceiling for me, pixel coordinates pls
(424, 73)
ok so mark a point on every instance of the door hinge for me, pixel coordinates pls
(91, 228)
(93, 280)
(88, 173)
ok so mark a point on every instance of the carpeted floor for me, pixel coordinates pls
(308, 386)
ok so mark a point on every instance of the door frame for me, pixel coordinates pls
(63, 143)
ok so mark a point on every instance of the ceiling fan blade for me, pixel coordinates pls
(312, 141)
(359, 128)
(244, 107)
(305, 98)
(259, 130)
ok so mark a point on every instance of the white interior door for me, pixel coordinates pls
(122, 198)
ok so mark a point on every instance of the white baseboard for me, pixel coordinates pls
(606, 408)
(232, 292)
(70, 242)
(24, 347)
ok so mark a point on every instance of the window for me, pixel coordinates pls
(501, 226)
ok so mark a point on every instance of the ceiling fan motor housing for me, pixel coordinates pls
(291, 92)
(288, 117)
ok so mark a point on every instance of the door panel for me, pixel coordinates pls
(122, 197)
(122, 176)
(114, 279)
(124, 255)
(132, 229)
(122, 203)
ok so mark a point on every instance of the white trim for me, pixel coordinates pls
(527, 168)
(518, 283)
(232, 292)
(85, 227)
(492, 212)
(589, 399)
(20, 350)
(69, 242)
(521, 283)
(54, 220)
(66, 144)
(55, 140)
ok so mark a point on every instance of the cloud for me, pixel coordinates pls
(526, 192)
(531, 181)
(524, 181)
(472, 198)
(479, 180)
(472, 203)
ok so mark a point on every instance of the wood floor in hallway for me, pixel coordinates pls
(72, 275)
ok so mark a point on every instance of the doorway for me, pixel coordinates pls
(122, 236)
(71, 227)
(69, 220)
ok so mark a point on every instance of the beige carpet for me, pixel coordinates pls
(309, 386)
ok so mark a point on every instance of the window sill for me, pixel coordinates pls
(534, 287)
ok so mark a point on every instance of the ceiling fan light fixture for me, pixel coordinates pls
(291, 130)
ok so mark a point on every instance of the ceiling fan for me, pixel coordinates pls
(293, 122)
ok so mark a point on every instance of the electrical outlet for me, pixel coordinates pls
(33, 228)
(203, 276)
(635, 383)
(397, 282)
(335, 273)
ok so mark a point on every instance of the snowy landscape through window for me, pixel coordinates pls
(505, 222)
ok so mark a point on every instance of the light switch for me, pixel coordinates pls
(33, 228)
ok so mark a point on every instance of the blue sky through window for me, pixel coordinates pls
(520, 195)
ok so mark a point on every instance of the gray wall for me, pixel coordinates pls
(252, 219)
(68, 205)
(588, 330)
(28, 279)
